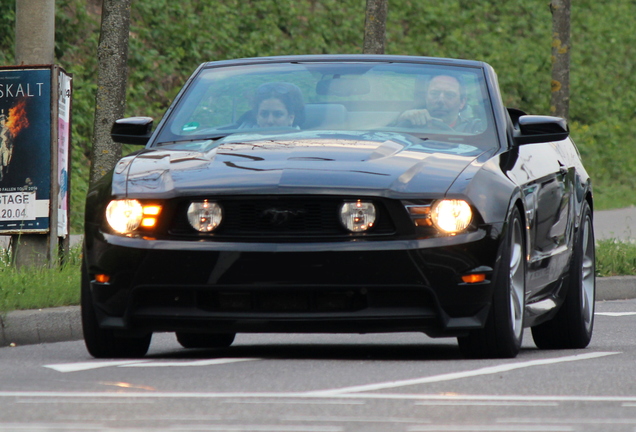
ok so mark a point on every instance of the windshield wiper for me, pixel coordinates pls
(204, 138)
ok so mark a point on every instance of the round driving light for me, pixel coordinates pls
(357, 216)
(204, 216)
(451, 216)
(124, 216)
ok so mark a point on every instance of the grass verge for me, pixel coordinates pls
(615, 258)
(38, 288)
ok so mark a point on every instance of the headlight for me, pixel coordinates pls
(451, 216)
(127, 215)
(204, 216)
(357, 216)
(124, 216)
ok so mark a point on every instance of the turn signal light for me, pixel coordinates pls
(102, 278)
(474, 278)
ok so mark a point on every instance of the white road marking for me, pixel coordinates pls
(311, 395)
(34, 427)
(459, 375)
(195, 363)
(295, 402)
(615, 314)
(258, 428)
(365, 419)
(570, 420)
(484, 403)
(77, 367)
(489, 428)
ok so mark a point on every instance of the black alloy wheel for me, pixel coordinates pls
(572, 326)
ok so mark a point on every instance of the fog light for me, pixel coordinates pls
(205, 216)
(357, 216)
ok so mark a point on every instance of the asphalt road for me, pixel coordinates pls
(327, 383)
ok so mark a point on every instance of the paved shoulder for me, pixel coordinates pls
(617, 223)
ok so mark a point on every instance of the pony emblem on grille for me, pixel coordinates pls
(280, 217)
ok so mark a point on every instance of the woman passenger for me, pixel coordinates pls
(278, 104)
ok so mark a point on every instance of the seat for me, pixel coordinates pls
(324, 116)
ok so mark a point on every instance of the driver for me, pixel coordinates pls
(444, 99)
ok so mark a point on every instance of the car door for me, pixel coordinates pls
(546, 180)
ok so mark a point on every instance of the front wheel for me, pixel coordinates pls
(103, 343)
(572, 326)
(502, 335)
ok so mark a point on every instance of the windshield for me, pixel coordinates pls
(440, 103)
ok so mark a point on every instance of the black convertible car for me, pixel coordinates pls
(341, 194)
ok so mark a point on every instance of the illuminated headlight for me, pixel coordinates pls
(451, 216)
(124, 216)
(357, 216)
(204, 216)
(127, 215)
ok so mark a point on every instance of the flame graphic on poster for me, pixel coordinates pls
(17, 118)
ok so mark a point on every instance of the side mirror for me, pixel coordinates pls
(132, 130)
(540, 129)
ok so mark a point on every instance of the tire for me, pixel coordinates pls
(103, 343)
(204, 340)
(573, 324)
(502, 334)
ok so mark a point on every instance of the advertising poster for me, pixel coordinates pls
(63, 145)
(25, 150)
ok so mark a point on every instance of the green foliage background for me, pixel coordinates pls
(170, 39)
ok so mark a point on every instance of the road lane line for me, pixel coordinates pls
(76, 367)
(489, 428)
(257, 428)
(460, 375)
(190, 363)
(615, 314)
(112, 395)
(485, 403)
(349, 419)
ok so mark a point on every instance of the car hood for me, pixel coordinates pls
(387, 164)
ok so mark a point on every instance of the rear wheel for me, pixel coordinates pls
(572, 326)
(203, 340)
(502, 335)
(103, 343)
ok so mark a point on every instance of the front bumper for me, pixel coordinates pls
(352, 287)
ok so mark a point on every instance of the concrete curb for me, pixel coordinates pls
(64, 323)
(41, 326)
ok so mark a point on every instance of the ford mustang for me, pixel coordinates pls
(341, 194)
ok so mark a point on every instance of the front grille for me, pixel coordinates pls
(273, 217)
